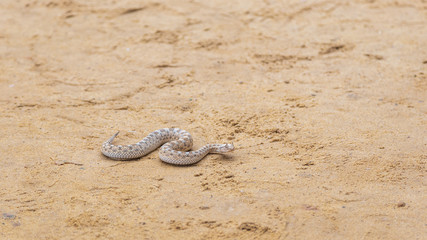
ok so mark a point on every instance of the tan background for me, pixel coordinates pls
(325, 102)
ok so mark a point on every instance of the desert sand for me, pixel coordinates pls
(325, 102)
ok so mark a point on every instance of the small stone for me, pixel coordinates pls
(60, 162)
(9, 216)
(401, 204)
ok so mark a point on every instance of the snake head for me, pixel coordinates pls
(223, 148)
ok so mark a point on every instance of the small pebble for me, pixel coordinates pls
(401, 204)
(8, 216)
(60, 162)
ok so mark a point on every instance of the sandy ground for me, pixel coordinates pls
(325, 102)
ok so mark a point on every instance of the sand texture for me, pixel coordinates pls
(325, 102)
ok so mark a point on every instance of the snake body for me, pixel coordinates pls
(175, 145)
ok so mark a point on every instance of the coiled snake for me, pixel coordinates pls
(176, 143)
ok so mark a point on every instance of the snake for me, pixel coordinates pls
(175, 145)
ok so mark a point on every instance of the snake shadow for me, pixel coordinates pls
(218, 157)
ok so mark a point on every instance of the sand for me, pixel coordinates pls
(325, 102)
